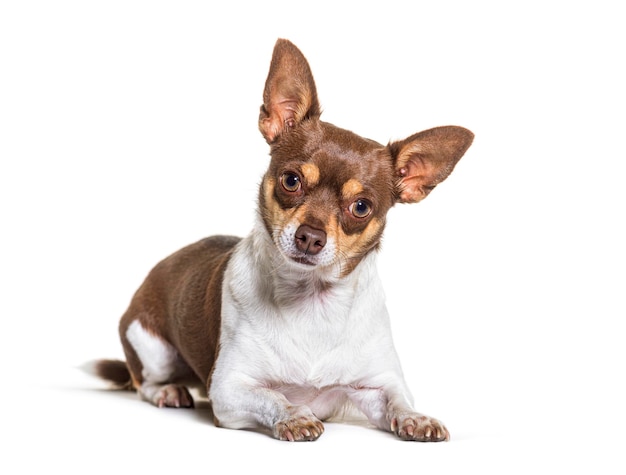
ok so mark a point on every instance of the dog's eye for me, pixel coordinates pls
(291, 182)
(361, 208)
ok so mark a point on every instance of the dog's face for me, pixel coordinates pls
(327, 191)
(326, 194)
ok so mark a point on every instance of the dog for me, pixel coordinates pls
(288, 327)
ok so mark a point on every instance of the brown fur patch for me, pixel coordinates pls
(181, 297)
(114, 371)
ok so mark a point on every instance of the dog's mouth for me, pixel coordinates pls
(286, 241)
(305, 260)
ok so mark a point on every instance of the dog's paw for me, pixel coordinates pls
(303, 428)
(413, 426)
(173, 395)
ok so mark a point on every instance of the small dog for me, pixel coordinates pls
(288, 326)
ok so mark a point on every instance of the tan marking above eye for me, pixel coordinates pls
(351, 188)
(311, 173)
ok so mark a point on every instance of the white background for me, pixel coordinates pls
(128, 129)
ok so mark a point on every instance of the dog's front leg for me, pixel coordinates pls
(389, 409)
(249, 407)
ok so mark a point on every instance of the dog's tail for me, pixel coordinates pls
(114, 371)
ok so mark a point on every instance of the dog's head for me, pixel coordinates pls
(327, 191)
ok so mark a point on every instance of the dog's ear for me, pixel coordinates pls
(425, 159)
(290, 95)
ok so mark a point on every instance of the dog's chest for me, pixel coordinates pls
(320, 339)
(309, 342)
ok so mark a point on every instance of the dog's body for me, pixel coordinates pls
(288, 327)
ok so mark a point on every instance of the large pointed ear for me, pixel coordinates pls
(425, 159)
(290, 95)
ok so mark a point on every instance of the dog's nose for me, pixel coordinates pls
(310, 240)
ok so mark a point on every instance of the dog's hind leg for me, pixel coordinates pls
(155, 367)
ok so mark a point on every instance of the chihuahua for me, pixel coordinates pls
(288, 327)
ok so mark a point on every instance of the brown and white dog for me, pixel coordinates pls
(288, 326)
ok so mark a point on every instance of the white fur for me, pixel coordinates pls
(299, 340)
(159, 360)
(157, 356)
